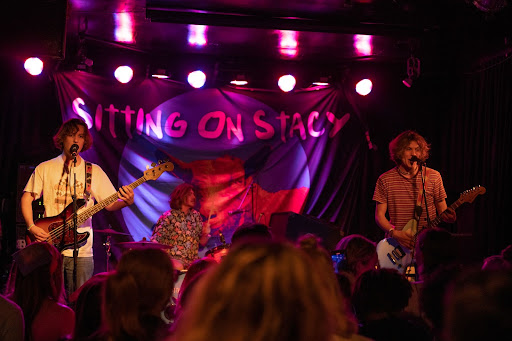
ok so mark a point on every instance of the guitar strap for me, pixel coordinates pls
(418, 210)
(88, 179)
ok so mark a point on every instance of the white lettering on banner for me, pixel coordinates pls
(213, 124)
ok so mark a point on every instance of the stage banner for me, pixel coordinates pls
(249, 153)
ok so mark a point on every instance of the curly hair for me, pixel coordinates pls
(178, 195)
(70, 127)
(399, 143)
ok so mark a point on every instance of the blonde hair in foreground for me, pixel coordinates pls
(262, 291)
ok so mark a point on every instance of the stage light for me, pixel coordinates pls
(197, 35)
(196, 79)
(287, 83)
(124, 74)
(413, 70)
(322, 81)
(364, 87)
(239, 80)
(160, 73)
(33, 66)
(288, 43)
(363, 44)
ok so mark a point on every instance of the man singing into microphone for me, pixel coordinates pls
(182, 227)
(55, 181)
(397, 191)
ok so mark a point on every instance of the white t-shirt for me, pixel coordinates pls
(50, 180)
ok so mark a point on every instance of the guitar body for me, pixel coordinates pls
(61, 226)
(392, 255)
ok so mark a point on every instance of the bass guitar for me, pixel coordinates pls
(61, 227)
(395, 256)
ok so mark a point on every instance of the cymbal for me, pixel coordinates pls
(110, 231)
(142, 245)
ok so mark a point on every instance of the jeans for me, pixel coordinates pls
(84, 271)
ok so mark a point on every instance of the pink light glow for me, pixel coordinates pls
(124, 27)
(363, 44)
(364, 87)
(124, 74)
(286, 83)
(288, 43)
(197, 35)
(33, 66)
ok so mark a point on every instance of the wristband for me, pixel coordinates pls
(390, 232)
(28, 229)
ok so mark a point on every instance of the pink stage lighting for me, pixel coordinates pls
(124, 74)
(286, 83)
(364, 87)
(196, 79)
(34, 66)
(124, 27)
(197, 35)
(363, 44)
(288, 43)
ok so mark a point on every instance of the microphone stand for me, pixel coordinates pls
(75, 227)
(429, 222)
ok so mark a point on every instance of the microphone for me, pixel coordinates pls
(236, 211)
(414, 158)
(73, 150)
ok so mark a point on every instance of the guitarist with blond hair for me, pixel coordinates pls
(399, 196)
(55, 181)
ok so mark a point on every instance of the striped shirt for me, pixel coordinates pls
(400, 194)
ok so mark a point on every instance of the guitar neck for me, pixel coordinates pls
(453, 206)
(86, 214)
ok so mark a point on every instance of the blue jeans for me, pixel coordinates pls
(84, 271)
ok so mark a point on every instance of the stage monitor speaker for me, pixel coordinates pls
(291, 226)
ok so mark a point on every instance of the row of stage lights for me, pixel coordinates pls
(197, 79)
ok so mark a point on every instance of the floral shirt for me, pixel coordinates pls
(182, 232)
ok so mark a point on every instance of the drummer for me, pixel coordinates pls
(182, 227)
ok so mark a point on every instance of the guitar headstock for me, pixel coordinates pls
(157, 170)
(470, 194)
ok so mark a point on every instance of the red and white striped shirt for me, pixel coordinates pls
(400, 194)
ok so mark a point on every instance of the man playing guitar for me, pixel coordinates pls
(399, 191)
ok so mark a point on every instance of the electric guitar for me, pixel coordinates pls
(60, 227)
(395, 256)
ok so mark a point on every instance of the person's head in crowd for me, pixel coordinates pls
(197, 266)
(359, 255)
(137, 293)
(250, 231)
(432, 294)
(434, 247)
(506, 253)
(496, 262)
(87, 302)
(261, 291)
(478, 306)
(380, 292)
(35, 276)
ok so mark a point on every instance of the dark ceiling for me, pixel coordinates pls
(243, 34)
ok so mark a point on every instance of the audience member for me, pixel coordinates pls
(263, 291)
(478, 306)
(87, 301)
(358, 254)
(11, 322)
(250, 231)
(496, 262)
(379, 299)
(136, 294)
(432, 294)
(36, 284)
(434, 247)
